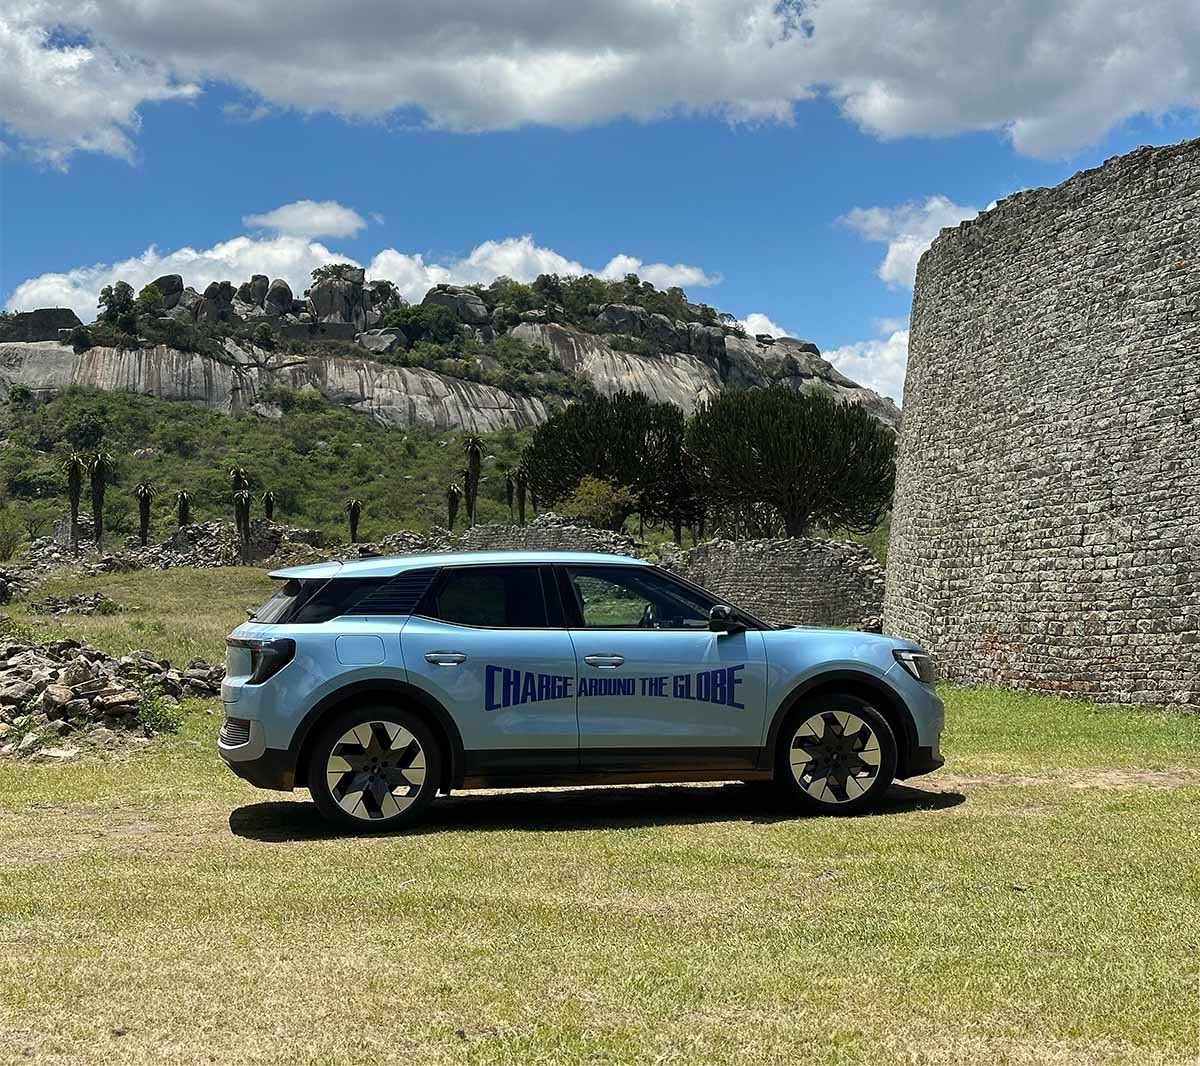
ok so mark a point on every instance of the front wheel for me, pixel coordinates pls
(374, 769)
(837, 755)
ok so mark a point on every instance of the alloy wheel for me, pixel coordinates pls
(835, 756)
(376, 770)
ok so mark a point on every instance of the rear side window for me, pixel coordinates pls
(314, 601)
(496, 597)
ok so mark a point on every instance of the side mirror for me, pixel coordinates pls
(723, 619)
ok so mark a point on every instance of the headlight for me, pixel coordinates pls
(267, 657)
(917, 663)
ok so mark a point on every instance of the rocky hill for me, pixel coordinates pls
(513, 351)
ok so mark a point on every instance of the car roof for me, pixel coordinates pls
(389, 566)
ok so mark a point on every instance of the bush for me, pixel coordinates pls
(20, 394)
(10, 537)
(426, 322)
(155, 712)
(599, 502)
(81, 338)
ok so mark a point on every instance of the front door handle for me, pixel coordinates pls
(604, 662)
(445, 658)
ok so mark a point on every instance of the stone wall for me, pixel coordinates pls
(548, 532)
(795, 582)
(1047, 525)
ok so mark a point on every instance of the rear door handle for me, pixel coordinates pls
(445, 658)
(604, 662)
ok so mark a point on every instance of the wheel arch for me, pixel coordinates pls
(867, 687)
(391, 691)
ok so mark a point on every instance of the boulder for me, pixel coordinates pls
(278, 300)
(217, 304)
(171, 287)
(623, 318)
(340, 300)
(707, 342)
(382, 341)
(467, 306)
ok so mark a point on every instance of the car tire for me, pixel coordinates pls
(374, 769)
(836, 755)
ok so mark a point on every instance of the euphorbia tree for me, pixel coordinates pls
(183, 507)
(75, 466)
(100, 470)
(145, 493)
(353, 512)
(473, 447)
(268, 502)
(453, 496)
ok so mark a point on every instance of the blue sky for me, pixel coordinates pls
(804, 202)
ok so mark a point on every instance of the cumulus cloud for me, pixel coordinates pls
(1053, 77)
(294, 257)
(756, 322)
(309, 218)
(61, 95)
(907, 230)
(878, 363)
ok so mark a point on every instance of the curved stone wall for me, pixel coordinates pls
(1046, 533)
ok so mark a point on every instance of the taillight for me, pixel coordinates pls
(267, 657)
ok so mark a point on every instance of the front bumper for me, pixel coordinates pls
(924, 760)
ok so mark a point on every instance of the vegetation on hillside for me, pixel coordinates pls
(312, 460)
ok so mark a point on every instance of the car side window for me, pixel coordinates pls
(629, 597)
(496, 597)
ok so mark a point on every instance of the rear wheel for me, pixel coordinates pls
(837, 755)
(374, 769)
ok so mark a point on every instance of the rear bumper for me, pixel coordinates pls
(274, 769)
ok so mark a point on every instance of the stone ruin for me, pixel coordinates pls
(1047, 524)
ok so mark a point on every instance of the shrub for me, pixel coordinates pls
(599, 502)
(20, 394)
(155, 712)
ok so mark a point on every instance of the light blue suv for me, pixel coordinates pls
(377, 684)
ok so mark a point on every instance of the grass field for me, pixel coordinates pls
(1035, 902)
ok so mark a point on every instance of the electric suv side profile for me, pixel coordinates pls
(379, 683)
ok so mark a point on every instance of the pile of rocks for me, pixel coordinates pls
(77, 603)
(67, 689)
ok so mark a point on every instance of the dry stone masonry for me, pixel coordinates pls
(1047, 526)
(792, 582)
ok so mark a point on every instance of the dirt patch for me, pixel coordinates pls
(1086, 777)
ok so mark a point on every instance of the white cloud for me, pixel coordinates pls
(1053, 77)
(293, 258)
(756, 322)
(59, 96)
(309, 218)
(878, 364)
(907, 230)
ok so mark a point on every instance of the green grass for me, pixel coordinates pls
(1034, 902)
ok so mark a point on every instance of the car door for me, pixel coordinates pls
(656, 688)
(489, 645)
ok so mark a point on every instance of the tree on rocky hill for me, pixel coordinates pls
(268, 502)
(353, 511)
(330, 270)
(100, 470)
(809, 459)
(74, 466)
(238, 479)
(117, 304)
(144, 493)
(183, 508)
(473, 447)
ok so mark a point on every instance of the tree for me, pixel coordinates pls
(522, 480)
(330, 270)
(149, 301)
(509, 489)
(241, 520)
(74, 466)
(20, 394)
(116, 303)
(806, 457)
(353, 512)
(238, 479)
(183, 508)
(268, 502)
(626, 439)
(100, 469)
(473, 448)
(435, 323)
(453, 495)
(144, 492)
